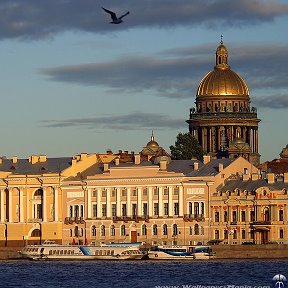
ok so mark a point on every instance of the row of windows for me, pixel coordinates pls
(134, 209)
(193, 230)
(134, 192)
(234, 234)
(243, 216)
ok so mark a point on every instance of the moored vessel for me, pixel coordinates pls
(49, 250)
(180, 252)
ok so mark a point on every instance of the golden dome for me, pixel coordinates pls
(222, 81)
(152, 142)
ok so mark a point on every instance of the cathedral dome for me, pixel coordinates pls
(222, 81)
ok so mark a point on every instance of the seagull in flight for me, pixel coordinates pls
(114, 18)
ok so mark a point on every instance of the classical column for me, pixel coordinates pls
(99, 208)
(150, 201)
(2, 214)
(10, 191)
(44, 205)
(256, 140)
(180, 200)
(170, 201)
(56, 204)
(21, 205)
(128, 202)
(118, 202)
(108, 202)
(160, 201)
(139, 202)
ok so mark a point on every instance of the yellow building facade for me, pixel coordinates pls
(102, 198)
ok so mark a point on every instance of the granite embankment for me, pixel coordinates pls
(271, 251)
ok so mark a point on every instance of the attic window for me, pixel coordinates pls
(43, 168)
(12, 168)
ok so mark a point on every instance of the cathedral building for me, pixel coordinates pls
(223, 121)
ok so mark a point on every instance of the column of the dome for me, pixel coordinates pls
(218, 138)
(213, 139)
(210, 139)
(256, 148)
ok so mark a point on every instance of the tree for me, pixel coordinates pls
(186, 147)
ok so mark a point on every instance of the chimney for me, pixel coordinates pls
(14, 159)
(42, 158)
(196, 165)
(246, 177)
(83, 156)
(206, 159)
(105, 167)
(286, 177)
(271, 178)
(74, 161)
(137, 159)
(221, 167)
(163, 165)
(117, 161)
(33, 159)
(255, 176)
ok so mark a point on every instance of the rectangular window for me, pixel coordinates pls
(134, 192)
(134, 210)
(145, 209)
(281, 233)
(225, 216)
(225, 234)
(281, 215)
(166, 209)
(156, 209)
(217, 216)
(252, 216)
(124, 210)
(155, 191)
(94, 193)
(243, 234)
(104, 193)
(243, 216)
(94, 210)
(176, 208)
(144, 192)
(196, 208)
(104, 210)
(176, 191)
(124, 193)
(113, 207)
(234, 216)
(166, 191)
(113, 193)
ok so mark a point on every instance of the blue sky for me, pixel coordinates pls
(71, 82)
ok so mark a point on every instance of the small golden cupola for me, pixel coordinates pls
(222, 56)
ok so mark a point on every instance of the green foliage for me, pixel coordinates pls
(186, 147)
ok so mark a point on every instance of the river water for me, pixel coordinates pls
(150, 274)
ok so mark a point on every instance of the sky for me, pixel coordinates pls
(72, 82)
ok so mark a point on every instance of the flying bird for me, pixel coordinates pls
(115, 19)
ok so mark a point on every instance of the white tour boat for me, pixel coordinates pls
(49, 250)
(180, 252)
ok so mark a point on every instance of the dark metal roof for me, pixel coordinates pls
(251, 185)
(211, 168)
(23, 166)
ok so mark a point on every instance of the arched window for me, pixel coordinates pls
(93, 230)
(217, 234)
(175, 229)
(102, 230)
(112, 230)
(144, 230)
(38, 193)
(266, 214)
(165, 229)
(123, 230)
(196, 229)
(71, 232)
(36, 233)
(190, 230)
(154, 228)
(81, 232)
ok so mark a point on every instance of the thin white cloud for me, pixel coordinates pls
(131, 121)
